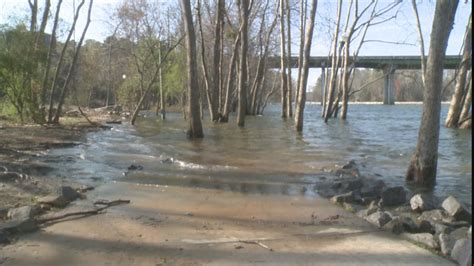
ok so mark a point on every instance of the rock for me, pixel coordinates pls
(135, 167)
(3, 213)
(402, 209)
(351, 164)
(378, 218)
(68, 193)
(24, 212)
(392, 196)
(19, 226)
(11, 176)
(3, 238)
(462, 252)
(432, 216)
(352, 185)
(425, 226)
(408, 224)
(348, 197)
(421, 203)
(447, 241)
(54, 200)
(441, 228)
(395, 226)
(351, 207)
(422, 238)
(455, 209)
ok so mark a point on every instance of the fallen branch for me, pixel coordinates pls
(87, 118)
(84, 213)
(256, 243)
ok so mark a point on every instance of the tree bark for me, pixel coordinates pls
(216, 73)
(289, 106)
(195, 125)
(304, 74)
(244, 17)
(456, 102)
(423, 165)
(284, 78)
(468, 99)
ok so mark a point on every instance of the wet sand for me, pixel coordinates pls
(190, 226)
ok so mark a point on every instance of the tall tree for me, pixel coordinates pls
(304, 74)
(195, 124)
(283, 62)
(243, 82)
(423, 164)
(452, 120)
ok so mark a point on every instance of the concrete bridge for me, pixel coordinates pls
(389, 64)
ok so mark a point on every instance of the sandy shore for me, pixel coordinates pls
(189, 226)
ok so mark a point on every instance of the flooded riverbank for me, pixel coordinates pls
(267, 156)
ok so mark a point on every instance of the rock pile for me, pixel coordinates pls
(445, 227)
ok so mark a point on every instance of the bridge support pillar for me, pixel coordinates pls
(388, 85)
(323, 83)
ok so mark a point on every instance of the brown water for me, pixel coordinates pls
(267, 156)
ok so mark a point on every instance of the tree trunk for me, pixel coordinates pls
(195, 125)
(284, 78)
(423, 165)
(301, 48)
(468, 99)
(456, 102)
(230, 79)
(289, 106)
(244, 16)
(73, 66)
(216, 73)
(304, 74)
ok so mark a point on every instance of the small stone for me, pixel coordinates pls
(421, 203)
(349, 207)
(351, 164)
(22, 213)
(19, 225)
(392, 196)
(378, 218)
(85, 188)
(3, 213)
(425, 226)
(455, 209)
(409, 225)
(135, 167)
(462, 252)
(422, 238)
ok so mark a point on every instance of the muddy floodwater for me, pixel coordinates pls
(267, 156)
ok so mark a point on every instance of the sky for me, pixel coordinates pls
(400, 29)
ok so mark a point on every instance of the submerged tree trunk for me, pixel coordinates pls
(289, 106)
(195, 125)
(242, 96)
(423, 165)
(459, 93)
(304, 74)
(283, 59)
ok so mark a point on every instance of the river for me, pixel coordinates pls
(267, 156)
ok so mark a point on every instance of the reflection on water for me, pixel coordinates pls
(267, 156)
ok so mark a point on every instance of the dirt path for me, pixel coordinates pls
(187, 226)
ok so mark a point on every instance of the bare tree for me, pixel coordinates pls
(423, 164)
(243, 79)
(195, 124)
(283, 62)
(304, 74)
(452, 120)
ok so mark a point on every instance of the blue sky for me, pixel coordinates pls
(401, 29)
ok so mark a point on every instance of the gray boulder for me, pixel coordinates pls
(392, 196)
(19, 226)
(4, 213)
(372, 189)
(422, 238)
(22, 213)
(421, 203)
(462, 252)
(378, 218)
(432, 216)
(447, 241)
(3, 238)
(455, 209)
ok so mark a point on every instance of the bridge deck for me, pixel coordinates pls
(378, 62)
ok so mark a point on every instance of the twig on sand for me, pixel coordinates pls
(256, 243)
(84, 213)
